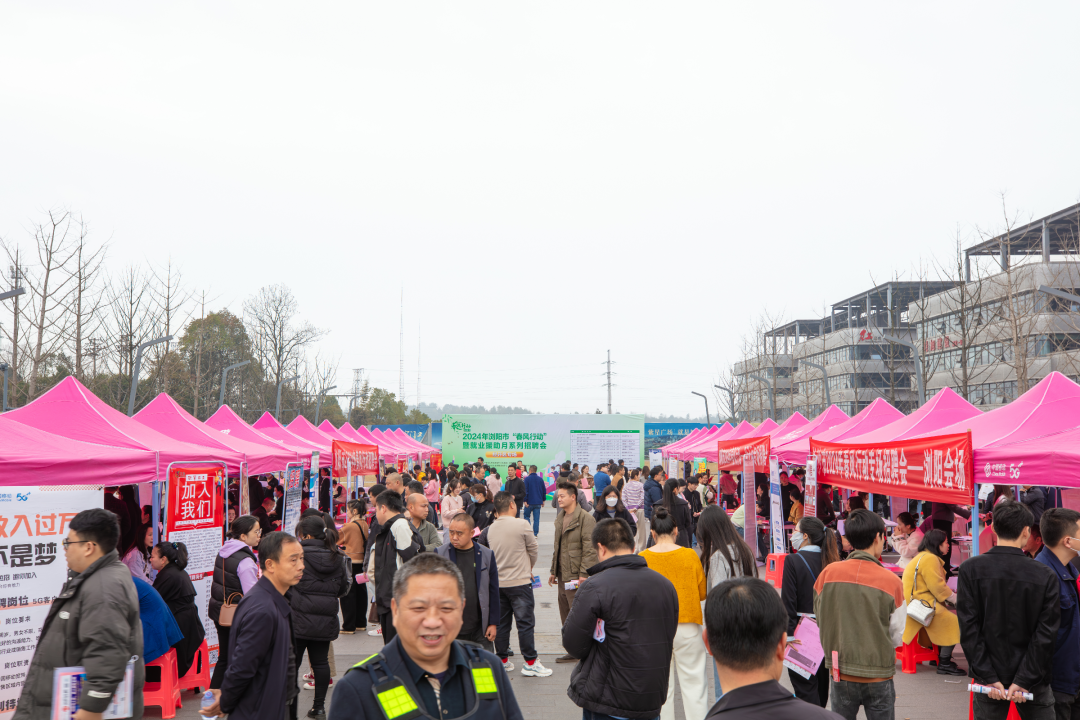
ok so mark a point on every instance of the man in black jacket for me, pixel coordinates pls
(625, 658)
(516, 487)
(1008, 608)
(260, 683)
(396, 542)
(745, 623)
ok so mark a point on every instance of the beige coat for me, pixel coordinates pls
(515, 548)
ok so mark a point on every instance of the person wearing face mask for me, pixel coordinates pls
(611, 506)
(816, 549)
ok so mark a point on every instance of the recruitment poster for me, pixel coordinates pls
(776, 508)
(749, 490)
(543, 440)
(810, 488)
(33, 524)
(294, 480)
(195, 517)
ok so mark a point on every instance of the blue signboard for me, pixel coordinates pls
(659, 434)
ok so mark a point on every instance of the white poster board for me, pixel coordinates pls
(776, 508)
(749, 507)
(674, 468)
(33, 570)
(810, 488)
(655, 458)
(592, 447)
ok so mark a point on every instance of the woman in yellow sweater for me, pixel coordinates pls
(924, 579)
(682, 567)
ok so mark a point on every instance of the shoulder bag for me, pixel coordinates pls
(228, 608)
(918, 610)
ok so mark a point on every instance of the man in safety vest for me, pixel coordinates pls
(423, 672)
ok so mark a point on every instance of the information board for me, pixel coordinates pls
(32, 572)
(592, 447)
(776, 508)
(749, 507)
(674, 468)
(810, 488)
(294, 480)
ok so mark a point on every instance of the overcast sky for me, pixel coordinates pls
(547, 180)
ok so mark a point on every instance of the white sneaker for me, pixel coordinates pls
(375, 633)
(508, 666)
(535, 670)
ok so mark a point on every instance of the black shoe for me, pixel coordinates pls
(950, 668)
(932, 663)
(317, 713)
(509, 653)
(566, 659)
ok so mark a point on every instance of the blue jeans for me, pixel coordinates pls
(590, 715)
(534, 510)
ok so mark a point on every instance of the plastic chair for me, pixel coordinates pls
(1014, 714)
(198, 675)
(912, 653)
(164, 694)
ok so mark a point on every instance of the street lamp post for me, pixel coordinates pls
(708, 420)
(138, 367)
(824, 378)
(918, 364)
(318, 405)
(731, 401)
(277, 407)
(4, 366)
(225, 374)
(768, 387)
(12, 293)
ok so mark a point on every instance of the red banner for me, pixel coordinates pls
(195, 498)
(363, 458)
(402, 463)
(435, 461)
(938, 468)
(729, 453)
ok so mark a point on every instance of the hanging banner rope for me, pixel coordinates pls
(938, 468)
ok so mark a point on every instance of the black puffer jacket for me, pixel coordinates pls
(314, 600)
(627, 674)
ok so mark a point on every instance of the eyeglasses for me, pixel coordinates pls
(66, 543)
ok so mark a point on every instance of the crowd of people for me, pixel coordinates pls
(652, 576)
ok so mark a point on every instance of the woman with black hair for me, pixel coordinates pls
(611, 506)
(138, 557)
(235, 572)
(816, 549)
(175, 587)
(314, 601)
(924, 579)
(482, 508)
(679, 510)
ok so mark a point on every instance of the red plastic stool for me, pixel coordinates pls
(912, 653)
(164, 694)
(198, 675)
(1014, 714)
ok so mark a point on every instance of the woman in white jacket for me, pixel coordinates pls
(906, 538)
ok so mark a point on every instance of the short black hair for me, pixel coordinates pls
(1010, 519)
(614, 534)
(375, 490)
(656, 471)
(391, 500)
(1057, 523)
(502, 501)
(568, 487)
(745, 620)
(414, 486)
(98, 526)
(532, 468)
(270, 546)
(862, 528)
(464, 517)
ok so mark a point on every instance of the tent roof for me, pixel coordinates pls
(72, 411)
(227, 421)
(742, 430)
(407, 441)
(166, 416)
(387, 440)
(942, 410)
(328, 428)
(828, 418)
(703, 442)
(350, 433)
(767, 426)
(270, 427)
(793, 423)
(873, 416)
(1051, 406)
(35, 457)
(1053, 459)
(688, 439)
(306, 430)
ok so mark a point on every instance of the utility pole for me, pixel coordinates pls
(608, 363)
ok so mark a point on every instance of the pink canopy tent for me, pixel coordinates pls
(765, 428)
(424, 450)
(328, 428)
(306, 430)
(227, 421)
(690, 438)
(35, 457)
(72, 411)
(167, 417)
(742, 430)
(387, 449)
(1049, 459)
(270, 427)
(831, 416)
(793, 423)
(1050, 407)
(942, 410)
(704, 441)
(350, 434)
(390, 442)
(875, 415)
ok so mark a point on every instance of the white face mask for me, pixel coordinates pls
(611, 500)
(797, 539)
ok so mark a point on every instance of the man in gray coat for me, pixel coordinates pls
(93, 622)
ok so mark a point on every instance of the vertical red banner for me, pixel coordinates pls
(436, 461)
(195, 498)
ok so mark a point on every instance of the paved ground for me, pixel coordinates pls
(923, 696)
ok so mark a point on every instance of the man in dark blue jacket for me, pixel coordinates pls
(601, 479)
(654, 489)
(1061, 542)
(535, 495)
(260, 683)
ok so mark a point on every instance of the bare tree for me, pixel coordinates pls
(133, 320)
(171, 300)
(279, 340)
(89, 296)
